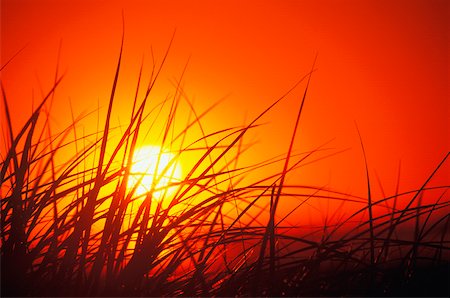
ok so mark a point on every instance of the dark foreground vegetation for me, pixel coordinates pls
(73, 226)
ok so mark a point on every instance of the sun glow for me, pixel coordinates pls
(154, 169)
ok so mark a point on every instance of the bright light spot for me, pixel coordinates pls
(153, 167)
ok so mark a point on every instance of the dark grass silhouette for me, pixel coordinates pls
(77, 229)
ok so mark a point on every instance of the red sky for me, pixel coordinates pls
(381, 64)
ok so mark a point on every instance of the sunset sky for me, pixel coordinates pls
(381, 64)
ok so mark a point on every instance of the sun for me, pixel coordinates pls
(154, 168)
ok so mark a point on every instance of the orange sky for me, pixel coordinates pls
(383, 64)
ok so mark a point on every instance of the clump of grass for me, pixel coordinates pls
(77, 229)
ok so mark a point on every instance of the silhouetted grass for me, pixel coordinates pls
(76, 228)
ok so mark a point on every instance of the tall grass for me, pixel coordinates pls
(77, 229)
